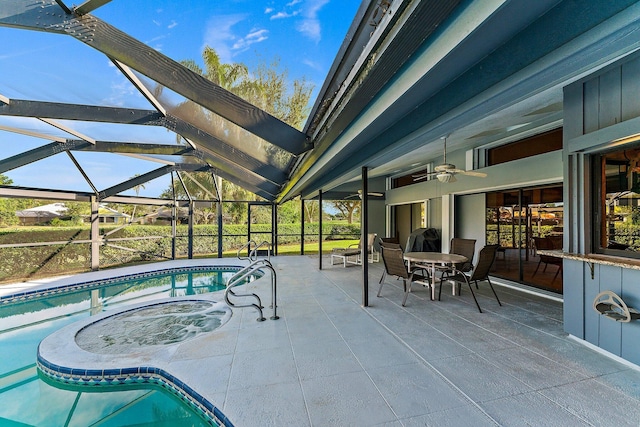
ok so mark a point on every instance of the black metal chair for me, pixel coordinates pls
(480, 273)
(390, 245)
(464, 247)
(394, 265)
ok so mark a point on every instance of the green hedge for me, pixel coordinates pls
(24, 263)
(507, 237)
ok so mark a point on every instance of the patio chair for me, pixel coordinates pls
(391, 245)
(352, 253)
(464, 247)
(545, 243)
(373, 255)
(394, 265)
(480, 273)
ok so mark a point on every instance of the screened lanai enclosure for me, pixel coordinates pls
(166, 128)
(416, 85)
(506, 122)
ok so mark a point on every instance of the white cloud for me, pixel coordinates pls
(255, 36)
(268, 10)
(312, 64)
(313, 7)
(293, 3)
(220, 36)
(121, 91)
(310, 26)
(283, 15)
(173, 24)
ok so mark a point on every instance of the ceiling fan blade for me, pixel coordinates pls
(473, 173)
(369, 194)
(423, 175)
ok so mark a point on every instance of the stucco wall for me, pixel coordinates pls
(470, 219)
(467, 213)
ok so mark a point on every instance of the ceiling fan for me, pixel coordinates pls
(359, 194)
(446, 171)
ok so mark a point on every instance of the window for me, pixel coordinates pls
(532, 146)
(413, 177)
(617, 192)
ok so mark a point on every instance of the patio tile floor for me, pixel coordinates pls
(330, 361)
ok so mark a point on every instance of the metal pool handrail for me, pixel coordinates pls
(248, 246)
(238, 279)
(253, 253)
(264, 243)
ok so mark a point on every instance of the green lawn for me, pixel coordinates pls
(309, 248)
(312, 248)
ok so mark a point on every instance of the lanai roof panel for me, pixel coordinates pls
(64, 76)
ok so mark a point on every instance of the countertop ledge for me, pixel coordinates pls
(595, 259)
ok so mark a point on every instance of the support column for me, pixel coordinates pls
(217, 181)
(190, 255)
(95, 234)
(220, 249)
(174, 218)
(174, 229)
(274, 228)
(301, 226)
(364, 237)
(320, 229)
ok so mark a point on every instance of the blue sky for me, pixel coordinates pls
(304, 35)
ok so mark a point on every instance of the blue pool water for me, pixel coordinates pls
(28, 399)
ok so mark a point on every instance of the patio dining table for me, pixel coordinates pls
(430, 260)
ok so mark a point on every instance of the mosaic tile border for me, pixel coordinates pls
(129, 376)
(55, 290)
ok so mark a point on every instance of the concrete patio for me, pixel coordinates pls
(329, 361)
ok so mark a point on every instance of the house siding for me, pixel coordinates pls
(598, 109)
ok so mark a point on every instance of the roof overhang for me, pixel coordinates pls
(484, 61)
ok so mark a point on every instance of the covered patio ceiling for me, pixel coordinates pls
(483, 74)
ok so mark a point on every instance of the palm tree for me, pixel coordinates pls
(267, 88)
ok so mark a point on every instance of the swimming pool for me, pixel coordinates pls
(29, 398)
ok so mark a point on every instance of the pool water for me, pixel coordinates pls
(29, 400)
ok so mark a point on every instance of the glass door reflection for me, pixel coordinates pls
(522, 221)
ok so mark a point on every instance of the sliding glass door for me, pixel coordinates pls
(522, 221)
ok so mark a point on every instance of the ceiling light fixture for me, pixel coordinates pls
(444, 177)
